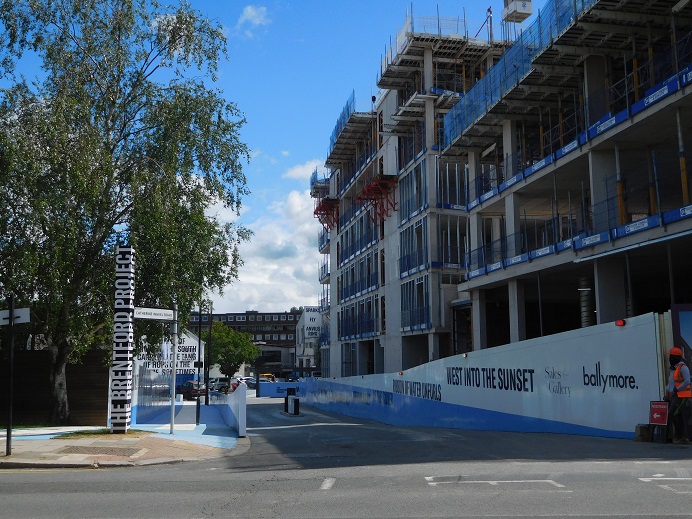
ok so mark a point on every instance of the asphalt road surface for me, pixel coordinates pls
(320, 465)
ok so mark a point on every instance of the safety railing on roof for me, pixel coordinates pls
(348, 109)
(446, 26)
(513, 66)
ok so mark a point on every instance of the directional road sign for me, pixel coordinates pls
(156, 314)
(21, 315)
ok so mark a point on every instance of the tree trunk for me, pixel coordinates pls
(59, 408)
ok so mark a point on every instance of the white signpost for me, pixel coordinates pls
(11, 317)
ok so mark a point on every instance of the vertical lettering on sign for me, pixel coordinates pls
(123, 339)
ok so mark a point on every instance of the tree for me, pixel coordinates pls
(121, 138)
(230, 349)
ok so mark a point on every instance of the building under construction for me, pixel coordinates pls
(499, 191)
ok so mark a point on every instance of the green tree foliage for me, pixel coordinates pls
(121, 136)
(230, 349)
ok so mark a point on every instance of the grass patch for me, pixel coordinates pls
(105, 432)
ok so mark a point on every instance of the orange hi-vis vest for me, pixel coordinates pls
(677, 378)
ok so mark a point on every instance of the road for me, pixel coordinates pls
(327, 466)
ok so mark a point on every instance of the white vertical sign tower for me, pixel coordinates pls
(123, 340)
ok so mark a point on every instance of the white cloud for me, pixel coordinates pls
(252, 18)
(281, 260)
(285, 153)
(303, 171)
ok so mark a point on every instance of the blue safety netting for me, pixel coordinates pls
(348, 109)
(513, 66)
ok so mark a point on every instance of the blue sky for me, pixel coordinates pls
(292, 66)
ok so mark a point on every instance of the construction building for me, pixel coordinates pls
(499, 191)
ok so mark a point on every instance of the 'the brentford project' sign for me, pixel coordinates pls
(123, 339)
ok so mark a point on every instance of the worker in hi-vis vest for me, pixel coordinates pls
(678, 393)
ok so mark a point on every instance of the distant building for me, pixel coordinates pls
(273, 332)
(308, 338)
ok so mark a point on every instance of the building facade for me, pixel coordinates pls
(499, 191)
(308, 331)
(273, 332)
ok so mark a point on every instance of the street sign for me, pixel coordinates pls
(658, 413)
(157, 314)
(21, 315)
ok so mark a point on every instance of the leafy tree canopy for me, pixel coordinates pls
(230, 349)
(120, 137)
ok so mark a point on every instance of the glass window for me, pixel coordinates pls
(252, 317)
(230, 317)
(283, 317)
(290, 317)
(290, 336)
(205, 318)
(276, 318)
(194, 318)
(283, 336)
(241, 318)
(223, 318)
(275, 337)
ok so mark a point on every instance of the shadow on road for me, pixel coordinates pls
(317, 439)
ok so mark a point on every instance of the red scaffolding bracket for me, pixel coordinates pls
(380, 193)
(327, 212)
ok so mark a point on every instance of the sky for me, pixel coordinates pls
(292, 66)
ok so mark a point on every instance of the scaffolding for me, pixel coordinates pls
(380, 194)
(326, 207)
(327, 212)
(513, 67)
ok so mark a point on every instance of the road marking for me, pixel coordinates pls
(328, 483)
(683, 485)
(447, 480)
(649, 480)
(296, 426)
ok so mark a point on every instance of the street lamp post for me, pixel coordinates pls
(199, 352)
(207, 354)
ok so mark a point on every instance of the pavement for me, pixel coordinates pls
(94, 447)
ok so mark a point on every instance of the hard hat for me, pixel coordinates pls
(675, 351)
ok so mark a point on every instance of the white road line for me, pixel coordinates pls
(649, 480)
(432, 481)
(328, 483)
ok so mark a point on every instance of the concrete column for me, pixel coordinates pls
(517, 315)
(601, 165)
(428, 83)
(497, 228)
(478, 318)
(513, 224)
(474, 171)
(475, 230)
(610, 286)
(510, 147)
(595, 77)
(433, 347)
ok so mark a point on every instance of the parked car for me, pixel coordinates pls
(252, 382)
(218, 384)
(191, 389)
